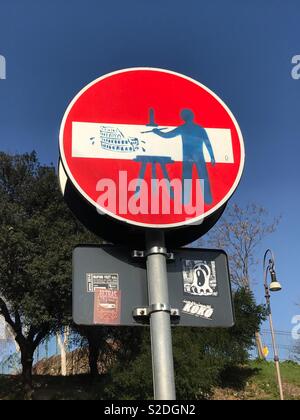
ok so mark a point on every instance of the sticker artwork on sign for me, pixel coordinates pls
(106, 281)
(198, 310)
(112, 139)
(199, 278)
(107, 307)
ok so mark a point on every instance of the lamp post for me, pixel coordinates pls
(275, 286)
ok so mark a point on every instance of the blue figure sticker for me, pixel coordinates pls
(194, 138)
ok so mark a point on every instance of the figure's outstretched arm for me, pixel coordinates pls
(169, 134)
(210, 149)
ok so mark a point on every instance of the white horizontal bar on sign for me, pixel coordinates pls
(221, 143)
(124, 141)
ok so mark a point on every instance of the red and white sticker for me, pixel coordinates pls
(107, 307)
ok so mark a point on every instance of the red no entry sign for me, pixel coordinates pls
(152, 148)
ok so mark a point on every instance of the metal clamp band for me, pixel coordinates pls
(159, 307)
(144, 313)
(153, 251)
(157, 250)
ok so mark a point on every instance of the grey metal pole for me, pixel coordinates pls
(276, 358)
(160, 321)
(268, 300)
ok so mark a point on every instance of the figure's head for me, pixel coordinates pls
(187, 115)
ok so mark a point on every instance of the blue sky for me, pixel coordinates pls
(240, 50)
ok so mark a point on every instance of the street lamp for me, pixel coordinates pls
(275, 286)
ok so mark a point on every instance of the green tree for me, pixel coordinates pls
(107, 345)
(200, 356)
(37, 235)
(239, 232)
(100, 343)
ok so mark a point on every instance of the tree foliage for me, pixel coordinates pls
(200, 356)
(37, 235)
(240, 231)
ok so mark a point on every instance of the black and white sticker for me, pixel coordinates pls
(107, 281)
(199, 278)
(198, 310)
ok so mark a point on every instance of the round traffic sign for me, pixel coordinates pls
(118, 233)
(151, 148)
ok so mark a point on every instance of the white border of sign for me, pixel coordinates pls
(194, 221)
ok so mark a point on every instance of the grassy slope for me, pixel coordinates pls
(255, 381)
(266, 379)
(258, 381)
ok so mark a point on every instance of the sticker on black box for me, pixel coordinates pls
(107, 281)
(198, 309)
(199, 278)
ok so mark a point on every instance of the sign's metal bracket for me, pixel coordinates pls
(155, 250)
(142, 315)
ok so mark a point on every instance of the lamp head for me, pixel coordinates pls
(275, 286)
